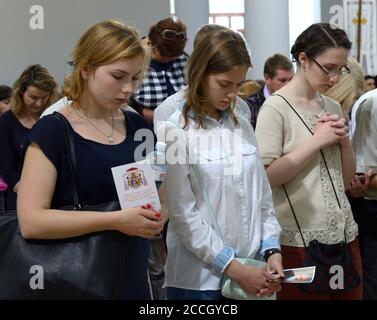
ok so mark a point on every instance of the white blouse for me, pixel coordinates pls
(234, 178)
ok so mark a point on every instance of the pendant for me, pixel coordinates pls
(111, 139)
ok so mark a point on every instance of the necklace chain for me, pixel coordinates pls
(109, 137)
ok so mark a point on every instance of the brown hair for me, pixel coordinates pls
(103, 43)
(276, 62)
(222, 52)
(318, 38)
(37, 76)
(206, 31)
(5, 92)
(167, 47)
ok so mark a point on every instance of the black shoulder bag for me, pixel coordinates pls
(90, 266)
(325, 256)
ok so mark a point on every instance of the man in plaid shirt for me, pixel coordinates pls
(165, 76)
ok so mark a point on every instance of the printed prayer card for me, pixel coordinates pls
(136, 185)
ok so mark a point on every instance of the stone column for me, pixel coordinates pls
(194, 13)
(266, 31)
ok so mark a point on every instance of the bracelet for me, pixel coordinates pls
(269, 252)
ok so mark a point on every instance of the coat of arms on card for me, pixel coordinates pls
(134, 178)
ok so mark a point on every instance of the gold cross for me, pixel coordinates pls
(356, 21)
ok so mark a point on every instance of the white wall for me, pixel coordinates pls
(266, 31)
(64, 22)
(302, 14)
(194, 14)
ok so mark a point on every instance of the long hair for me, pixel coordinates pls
(222, 52)
(103, 43)
(37, 76)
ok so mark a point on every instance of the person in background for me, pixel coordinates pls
(5, 95)
(249, 88)
(362, 191)
(312, 167)
(63, 102)
(32, 92)
(165, 75)
(58, 105)
(349, 88)
(198, 256)
(109, 62)
(278, 71)
(369, 83)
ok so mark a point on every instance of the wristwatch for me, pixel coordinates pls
(269, 252)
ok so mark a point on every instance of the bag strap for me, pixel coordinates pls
(294, 216)
(327, 169)
(199, 180)
(69, 142)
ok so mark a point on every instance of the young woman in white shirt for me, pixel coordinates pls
(223, 150)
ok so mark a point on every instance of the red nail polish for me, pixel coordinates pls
(143, 207)
(158, 214)
(149, 206)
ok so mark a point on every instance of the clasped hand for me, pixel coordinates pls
(258, 281)
(330, 129)
(360, 184)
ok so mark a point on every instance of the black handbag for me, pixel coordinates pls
(90, 266)
(329, 259)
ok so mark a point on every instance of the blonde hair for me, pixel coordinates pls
(37, 76)
(349, 88)
(103, 43)
(222, 52)
(248, 88)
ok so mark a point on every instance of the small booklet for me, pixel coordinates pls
(135, 185)
(299, 275)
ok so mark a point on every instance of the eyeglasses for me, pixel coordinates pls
(333, 72)
(172, 34)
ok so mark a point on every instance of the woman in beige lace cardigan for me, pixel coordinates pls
(292, 157)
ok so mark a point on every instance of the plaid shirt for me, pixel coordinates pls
(161, 81)
(255, 102)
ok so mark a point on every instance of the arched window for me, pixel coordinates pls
(228, 13)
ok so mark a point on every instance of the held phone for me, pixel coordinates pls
(361, 176)
(297, 275)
